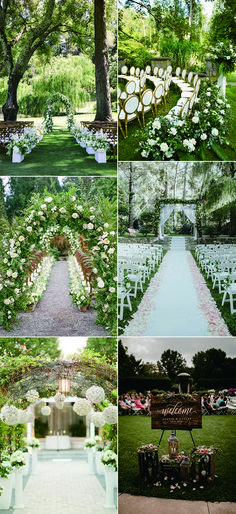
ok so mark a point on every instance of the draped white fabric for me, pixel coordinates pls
(166, 210)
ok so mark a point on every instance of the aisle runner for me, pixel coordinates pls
(177, 302)
(63, 487)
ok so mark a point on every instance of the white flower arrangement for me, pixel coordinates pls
(82, 407)
(79, 292)
(25, 142)
(46, 411)
(99, 142)
(109, 458)
(97, 419)
(38, 284)
(59, 398)
(90, 443)
(32, 396)
(33, 443)
(110, 415)
(223, 54)
(18, 459)
(95, 394)
(9, 414)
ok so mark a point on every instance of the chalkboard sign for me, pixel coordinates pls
(177, 411)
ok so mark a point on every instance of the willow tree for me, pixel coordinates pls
(30, 26)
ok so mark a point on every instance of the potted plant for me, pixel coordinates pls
(100, 145)
(98, 456)
(18, 461)
(6, 483)
(90, 445)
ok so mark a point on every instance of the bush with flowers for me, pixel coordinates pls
(78, 290)
(224, 55)
(109, 458)
(45, 217)
(168, 135)
(99, 142)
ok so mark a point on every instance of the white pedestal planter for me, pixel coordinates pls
(17, 156)
(91, 456)
(34, 461)
(101, 156)
(90, 150)
(111, 477)
(19, 488)
(26, 467)
(5, 498)
(99, 465)
(221, 82)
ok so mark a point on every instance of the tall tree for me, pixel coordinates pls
(171, 363)
(103, 95)
(106, 346)
(209, 364)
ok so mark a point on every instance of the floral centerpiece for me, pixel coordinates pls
(5, 468)
(200, 451)
(92, 442)
(109, 458)
(99, 142)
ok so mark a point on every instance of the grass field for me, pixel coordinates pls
(135, 431)
(128, 149)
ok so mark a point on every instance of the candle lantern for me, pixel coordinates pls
(64, 385)
(173, 446)
(185, 470)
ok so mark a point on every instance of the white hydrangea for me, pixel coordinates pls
(82, 407)
(110, 415)
(9, 414)
(46, 411)
(32, 396)
(95, 394)
(59, 398)
(97, 419)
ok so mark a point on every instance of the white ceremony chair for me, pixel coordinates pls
(145, 104)
(128, 113)
(129, 90)
(158, 96)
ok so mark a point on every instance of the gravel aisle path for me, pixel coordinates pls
(55, 315)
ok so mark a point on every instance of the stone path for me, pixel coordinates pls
(55, 315)
(63, 486)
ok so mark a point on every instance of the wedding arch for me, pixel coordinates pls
(165, 207)
(51, 101)
(33, 231)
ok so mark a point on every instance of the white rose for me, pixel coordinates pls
(92, 209)
(106, 225)
(203, 137)
(90, 226)
(21, 238)
(112, 289)
(7, 301)
(29, 229)
(195, 119)
(214, 132)
(173, 131)
(75, 215)
(49, 199)
(100, 283)
(9, 272)
(62, 210)
(43, 206)
(14, 275)
(111, 250)
(164, 147)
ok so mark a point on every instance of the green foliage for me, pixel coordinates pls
(186, 54)
(11, 437)
(44, 347)
(106, 346)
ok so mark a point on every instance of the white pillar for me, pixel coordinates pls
(18, 489)
(221, 82)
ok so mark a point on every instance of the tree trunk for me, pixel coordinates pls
(10, 108)
(103, 96)
(131, 194)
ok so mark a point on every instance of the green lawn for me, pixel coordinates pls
(58, 154)
(219, 430)
(128, 149)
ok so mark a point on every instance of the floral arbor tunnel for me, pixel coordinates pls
(87, 228)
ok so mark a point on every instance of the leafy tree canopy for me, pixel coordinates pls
(171, 364)
(106, 346)
(43, 347)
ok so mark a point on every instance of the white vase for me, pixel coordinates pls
(221, 82)
(19, 488)
(101, 156)
(26, 467)
(91, 455)
(5, 498)
(111, 478)
(34, 461)
(90, 150)
(99, 465)
(17, 155)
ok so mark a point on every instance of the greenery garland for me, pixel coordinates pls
(52, 99)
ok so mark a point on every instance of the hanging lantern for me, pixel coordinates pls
(64, 385)
(185, 470)
(173, 446)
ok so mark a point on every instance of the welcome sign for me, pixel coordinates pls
(177, 411)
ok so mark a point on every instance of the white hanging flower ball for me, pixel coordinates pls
(32, 396)
(59, 405)
(9, 414)
(95, 394)
(110, 415)
(97, 419)
(59, 398)
(46, 411)
(82, 407)
(42, 403)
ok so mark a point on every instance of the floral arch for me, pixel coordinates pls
(52, 99)
(33, 231)
(165, 207)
